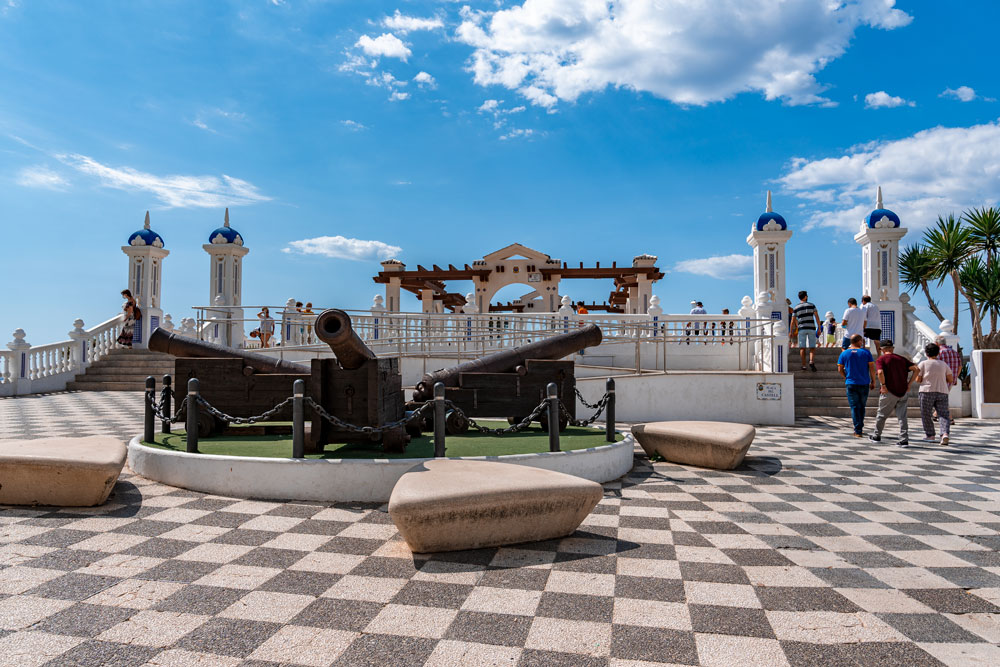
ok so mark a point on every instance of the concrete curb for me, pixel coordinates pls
(343, 480)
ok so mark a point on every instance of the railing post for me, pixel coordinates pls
(609, 411)
(194, 388)
(553, 398)
(148, 430)
(439, 417)
(167, 405)
(298, 419)
(20, 371)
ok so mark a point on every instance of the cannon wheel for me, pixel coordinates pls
(455, 423)
(543, 420)
(515, 420)
(395, 441)
(209, 425)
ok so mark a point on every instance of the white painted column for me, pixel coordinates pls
(768, 238)
(20, 372)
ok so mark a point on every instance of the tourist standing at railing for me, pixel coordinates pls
(830, 327)
(935, 379)
(308, 312)
(132, 313)
(895, 375)
(857, 367)
(697, 308)
(266, 326)
(873, 322)
(807, 323)
(853, 322)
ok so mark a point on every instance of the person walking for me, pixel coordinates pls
(857, 367)
(853, 322)
(873, 322)
(935, 378)
(895, 376)
(950, 356)
(132, 313)
(807, 320)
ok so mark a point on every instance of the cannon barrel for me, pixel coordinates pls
(334, 328)
(182, 346)
(553, 347)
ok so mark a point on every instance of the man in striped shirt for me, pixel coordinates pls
(949, 356)
(808, 323)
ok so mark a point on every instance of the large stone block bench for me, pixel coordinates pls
(450, 505)
(719, 445)
(66, 472)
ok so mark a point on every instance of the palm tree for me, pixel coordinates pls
(948, 244)
(916, 270)
(981, 285)
(984, 236)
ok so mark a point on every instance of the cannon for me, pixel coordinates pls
(356, 387)
(511, 383)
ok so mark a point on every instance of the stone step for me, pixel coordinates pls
(83, 385)
(119, 377)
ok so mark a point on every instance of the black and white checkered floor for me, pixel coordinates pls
(821, 550)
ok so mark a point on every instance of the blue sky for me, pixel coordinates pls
(449, 130)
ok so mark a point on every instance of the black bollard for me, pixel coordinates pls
(439, 419)
(609, 411)
(148, 431)
(298, 420)
(194, 389)
(167, 405)
(553, 398)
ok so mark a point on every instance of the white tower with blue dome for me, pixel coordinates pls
(768, 238)
(881, 231)
(145, 253)
(226, 252)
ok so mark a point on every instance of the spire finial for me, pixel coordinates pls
(226, 224)
(878, 197)
(768, 208)
(145, 225)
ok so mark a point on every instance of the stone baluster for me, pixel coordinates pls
(654, 312)
(79, 359)
(20, 371)
(288, 325)
(168, 323)
(378, 312)
(764, 307)
(566, 313)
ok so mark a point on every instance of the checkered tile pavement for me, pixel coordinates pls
(820, 550)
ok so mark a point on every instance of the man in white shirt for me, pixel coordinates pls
(853, 322)
(873, 323)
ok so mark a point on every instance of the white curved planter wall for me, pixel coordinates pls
(342, 480)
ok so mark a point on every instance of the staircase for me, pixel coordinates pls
(822, 393)
(123, 370)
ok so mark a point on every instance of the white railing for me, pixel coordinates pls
(640, 341)
(28, 369)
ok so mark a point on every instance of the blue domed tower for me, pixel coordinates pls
(768, 237)
(145, 252)
(879, 236)
(225, 290)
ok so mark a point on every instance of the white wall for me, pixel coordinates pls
(694, 395)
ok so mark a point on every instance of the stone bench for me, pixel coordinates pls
(66, 472)
(450, 505)
(719, 445)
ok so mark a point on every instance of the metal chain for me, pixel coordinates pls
(592, 406)
(368, 430)
(215, 412)
(158, 410)
(515, 428)
(601, 404)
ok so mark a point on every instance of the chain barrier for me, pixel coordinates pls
(515, 428)
(158, 410)
(368, 430)
(215, 412)
(592, 406)
(601, 404)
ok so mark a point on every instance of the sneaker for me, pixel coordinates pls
(929, 438)
(803, 368)
(903, 443)
(944, 440)
(875, 438)
(856, 435)
(812, 367)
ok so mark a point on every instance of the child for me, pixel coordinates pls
(831, 331)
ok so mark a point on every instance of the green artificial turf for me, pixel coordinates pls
(469, 444)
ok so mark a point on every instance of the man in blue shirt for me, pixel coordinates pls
(857, 367)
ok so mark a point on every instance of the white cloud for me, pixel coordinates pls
(177, 191)
(343, 248)
(722, 267)
(201, 121)
(517, 133)
(962, 93)
(884, 99)
(386, 44)
(933, 172)
(353, 125)
(685, 51)
(425, 79)
(41, 176)
(404, 24)
(398, 96)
